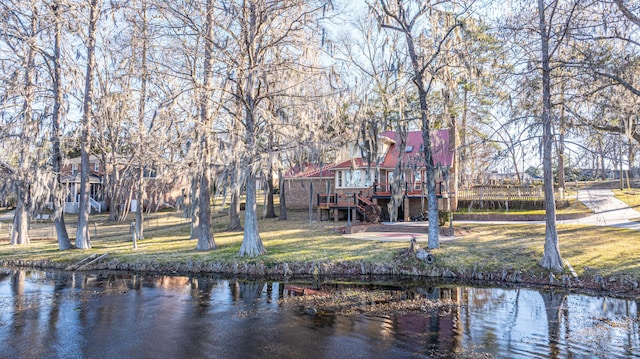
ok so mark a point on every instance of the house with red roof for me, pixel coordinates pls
(304, 182)
(366, 189)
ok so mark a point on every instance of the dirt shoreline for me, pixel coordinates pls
(621, 287)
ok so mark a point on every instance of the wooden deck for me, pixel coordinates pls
(336, 200)
(336, 203)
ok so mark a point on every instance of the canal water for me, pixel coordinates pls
(101, 315)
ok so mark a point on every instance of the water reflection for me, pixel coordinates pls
(76, 315)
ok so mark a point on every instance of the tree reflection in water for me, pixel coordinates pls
(553, 302)
(60, 314)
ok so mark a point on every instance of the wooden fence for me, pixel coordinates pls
(501, 194)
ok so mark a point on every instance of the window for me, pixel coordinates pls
(382, 151)
(408, 149)
(74, 168)
(417, 180)
(149, 172)
(349, 179)
(354, 179)
(96, 167)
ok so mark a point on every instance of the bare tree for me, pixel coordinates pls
(380, 72)
(269, 39)
(82, 233)
(20, 32)
(283, 198)
(542, 75)
(111, 131)
(551, 258)
(143, 44)
(205, 232)
(236, 193)
(204, 77)
(426, 29)
(612, 50)
(59, 191)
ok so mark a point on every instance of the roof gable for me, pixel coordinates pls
(414, 152)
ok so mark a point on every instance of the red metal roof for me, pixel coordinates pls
(309, 170)
(352, 163)
(439, 145)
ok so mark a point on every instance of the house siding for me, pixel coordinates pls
(297, 191)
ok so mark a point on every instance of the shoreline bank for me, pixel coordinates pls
(615, 286)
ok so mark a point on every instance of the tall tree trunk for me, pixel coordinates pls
(601, 159)
(283, 201)
(205, 233)
(82, 234)
(117, 204)
(560, 148)
(464, 150)
(236, 192)
(560, 155)
(28, 136)
(551, 258)
(251, 241)
(631, 155)
(59, 192)
(20, 231)
(433, 232)
(271, 210)
(453, 171)
(140, 194)
(235, 224)
(194, 207)
(250, 89)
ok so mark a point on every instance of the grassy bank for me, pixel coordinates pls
(482, 251)
(167, 241)
(628, 196)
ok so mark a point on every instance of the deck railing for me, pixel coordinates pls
(336, 200)
(408, 188)
(343, 200)
(95, 205)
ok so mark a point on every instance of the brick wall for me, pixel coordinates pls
(297, 191)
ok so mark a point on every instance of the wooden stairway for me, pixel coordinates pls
(369, 211)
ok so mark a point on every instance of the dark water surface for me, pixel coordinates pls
(73, 315)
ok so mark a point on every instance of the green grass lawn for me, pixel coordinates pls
(628, 196)
(609, 251)
(167, 240)
(491, 247)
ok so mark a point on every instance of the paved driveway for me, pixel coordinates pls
(607, 210)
